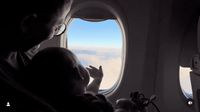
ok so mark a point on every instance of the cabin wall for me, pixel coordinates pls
(137, 19)
(174, 31)
(156, 31)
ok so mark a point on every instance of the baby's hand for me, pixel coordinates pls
(94, 72)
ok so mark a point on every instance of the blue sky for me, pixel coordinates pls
(100, 34)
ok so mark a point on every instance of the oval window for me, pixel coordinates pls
(185, 82)
(98, 43)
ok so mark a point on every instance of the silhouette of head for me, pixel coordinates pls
(26, 23)
(53, 73)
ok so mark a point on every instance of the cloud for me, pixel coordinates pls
(109, 58)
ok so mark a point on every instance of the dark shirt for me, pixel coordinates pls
(13, 97)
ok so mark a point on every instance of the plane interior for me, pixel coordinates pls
(158, 38)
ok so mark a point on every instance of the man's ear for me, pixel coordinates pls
(28, 22)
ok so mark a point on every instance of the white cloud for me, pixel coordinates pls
(109, 59)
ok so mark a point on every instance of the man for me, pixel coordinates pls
(25, 24)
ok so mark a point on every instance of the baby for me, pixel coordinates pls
(57, 77)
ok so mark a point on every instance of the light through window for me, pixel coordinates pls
(185, 82)
(98, 43)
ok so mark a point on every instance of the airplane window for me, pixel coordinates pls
(185, 82)
(98, 43)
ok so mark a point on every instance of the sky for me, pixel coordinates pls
(97, 43)
(99, 34)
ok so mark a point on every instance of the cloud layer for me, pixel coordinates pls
(109, 58)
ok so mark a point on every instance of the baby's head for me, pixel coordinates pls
(55, 72)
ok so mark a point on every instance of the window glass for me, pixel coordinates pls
(185, 82)
(98, 43)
